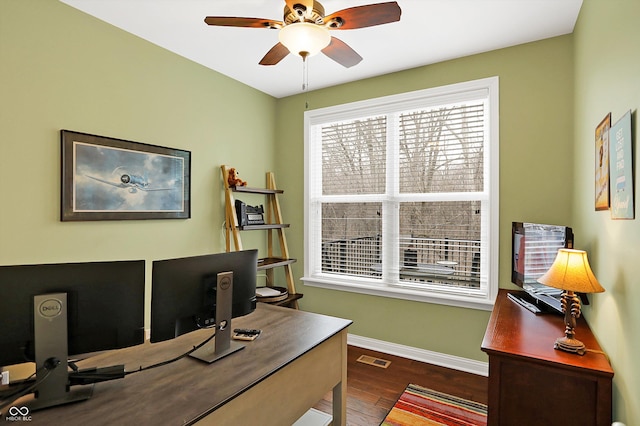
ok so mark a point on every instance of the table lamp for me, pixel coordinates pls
(571, 273)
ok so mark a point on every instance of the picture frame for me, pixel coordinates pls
(621, 166)
(104, 178)
(602, 193)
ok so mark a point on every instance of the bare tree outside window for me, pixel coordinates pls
(354, 157)
(402, 194)
(440, 151)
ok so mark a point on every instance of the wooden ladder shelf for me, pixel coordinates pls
(273, 224)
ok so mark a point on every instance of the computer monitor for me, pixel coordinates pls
(534, 248)
(206, 291)
(49, 312)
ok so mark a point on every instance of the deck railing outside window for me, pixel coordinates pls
(428, 260)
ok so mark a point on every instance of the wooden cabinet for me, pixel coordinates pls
(531, 383)
(274, 226)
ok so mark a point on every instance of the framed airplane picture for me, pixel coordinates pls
(113, 179)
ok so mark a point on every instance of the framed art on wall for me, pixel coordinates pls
(602, 163)
(113, 179)
(621, 166)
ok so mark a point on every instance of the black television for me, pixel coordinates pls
(206, 291)
(50, 312)
(534, 248)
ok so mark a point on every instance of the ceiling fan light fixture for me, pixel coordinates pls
(304, 39)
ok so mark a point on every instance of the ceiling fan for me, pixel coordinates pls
(304, 29)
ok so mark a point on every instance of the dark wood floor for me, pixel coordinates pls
(372, 391)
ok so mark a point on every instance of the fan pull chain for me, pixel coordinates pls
(305, 77)
(305, 72)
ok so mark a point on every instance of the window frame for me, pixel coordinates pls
(461, 297)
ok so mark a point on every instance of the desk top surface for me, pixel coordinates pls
(516, 332)
(188, 389)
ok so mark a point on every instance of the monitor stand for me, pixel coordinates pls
(222, 344)
(51, 355)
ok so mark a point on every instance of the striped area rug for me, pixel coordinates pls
(422, 406)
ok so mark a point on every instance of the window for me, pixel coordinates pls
(401, 195)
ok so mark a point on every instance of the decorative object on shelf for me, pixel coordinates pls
(105, 178)
(602, 163)
(233, 178)
(249, 215)
(241, 217)
(571, 273)
(271, 294)
(621, 169)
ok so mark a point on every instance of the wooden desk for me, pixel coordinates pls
(274, 380)
(530, 383)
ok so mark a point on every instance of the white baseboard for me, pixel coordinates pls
(423, 355)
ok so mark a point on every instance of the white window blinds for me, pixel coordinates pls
(398, 193)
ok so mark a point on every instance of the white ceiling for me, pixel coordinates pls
(429, 31)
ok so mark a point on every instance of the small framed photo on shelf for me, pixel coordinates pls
(621, 167)
(602, 163)
(113, 179)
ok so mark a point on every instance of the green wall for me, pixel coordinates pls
(607, 76)
(60, 68)
(63, 69)
(536, 112)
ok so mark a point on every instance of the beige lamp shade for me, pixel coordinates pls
(304, 39)
(571, 271)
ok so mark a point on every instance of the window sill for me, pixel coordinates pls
(460, 299)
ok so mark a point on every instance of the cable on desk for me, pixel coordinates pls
(84, 377)
(179, 357)
(599, 352)
(29, 385)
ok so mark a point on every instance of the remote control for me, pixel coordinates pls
(242, 336)
(247, 331)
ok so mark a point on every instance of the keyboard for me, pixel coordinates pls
(551, 301)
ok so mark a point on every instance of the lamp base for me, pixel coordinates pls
(574, 346)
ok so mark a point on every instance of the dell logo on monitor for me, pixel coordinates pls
(50, 308)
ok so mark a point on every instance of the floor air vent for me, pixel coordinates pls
(378, 362)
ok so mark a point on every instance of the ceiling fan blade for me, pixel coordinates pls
(230, 21)
(340, 52)
(307, 4)
(364, 16)
(275, 55)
